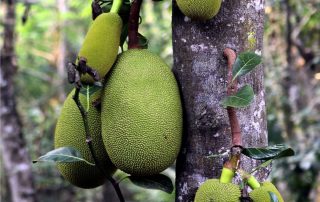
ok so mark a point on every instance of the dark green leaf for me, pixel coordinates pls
(266, 153)
(273, 197)
(159, 181)
(62, 155)
(244, 63)
(242, 98)
(143, 41)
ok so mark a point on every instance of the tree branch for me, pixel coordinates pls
(232, 89)
(134, 24)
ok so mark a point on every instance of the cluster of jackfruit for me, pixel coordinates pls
(139, 126)
(214, 190)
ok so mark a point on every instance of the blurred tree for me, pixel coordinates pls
(14, 152)
(201, 70)
(292, 58)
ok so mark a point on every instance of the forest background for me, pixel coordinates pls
(54, 32)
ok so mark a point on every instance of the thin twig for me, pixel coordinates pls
(81, 69)
(232, 89)
(133, 25)
(117, 188)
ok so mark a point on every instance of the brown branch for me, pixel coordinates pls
(134, 24)
(232, 89)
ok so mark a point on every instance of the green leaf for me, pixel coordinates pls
(266, 153)
(273, 197)
(62, 155)
(92, 88)
(244, 63)
(159, 181)
(143, 41)
(242, 98)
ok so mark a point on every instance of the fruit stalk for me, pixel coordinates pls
(116, 187)
(134, 24)
(85, 122)
(116, 5)
(232, 89)
(90, 145)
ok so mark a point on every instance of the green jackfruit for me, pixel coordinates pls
(141, 114)
(70, 132)
(214, 191)
(101, 44)
(199, 9)
(261, 194)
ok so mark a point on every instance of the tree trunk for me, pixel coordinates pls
(201, 71)
(14, 153)
(62, 9)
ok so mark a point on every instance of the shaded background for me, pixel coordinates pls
(53, 35)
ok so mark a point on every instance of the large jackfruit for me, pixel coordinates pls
(261, 194)
(199, 9)
(213, 190)
(70, 132)
(141, 114)
(101, 44)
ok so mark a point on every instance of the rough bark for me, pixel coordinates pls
(14, 153)
(201, 71)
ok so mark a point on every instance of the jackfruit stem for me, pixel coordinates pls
(226, 175)
(250, 179)
(253, 182)
(116, 6)
(84, 116)
(133, 25)
(232, 89)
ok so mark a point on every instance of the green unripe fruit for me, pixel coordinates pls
(199, 9)
(262, 194)
(70, 132)
(214, 191)
(141, 114)
(101, 44)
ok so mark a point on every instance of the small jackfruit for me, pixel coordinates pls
(70, 132)
(199, 9)
(141, 114)
(101, 44)
(214, 191)
(261, 194)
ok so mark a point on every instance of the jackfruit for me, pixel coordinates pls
(101, 44)
(214, 191)
(141, 114)
(261, 194)
(199, 9)
(70, 132)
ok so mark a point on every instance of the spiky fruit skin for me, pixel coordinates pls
(70, 132)
(199, 9)
(101, 44)
(141, 114)
(261, 194)
(214, 191)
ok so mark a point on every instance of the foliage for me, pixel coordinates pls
(292, 89)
